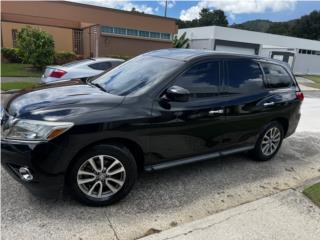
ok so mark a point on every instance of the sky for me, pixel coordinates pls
(237, 11)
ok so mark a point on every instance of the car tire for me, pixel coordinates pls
(102, 175)
(269, 142)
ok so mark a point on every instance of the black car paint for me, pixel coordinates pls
(159, 130)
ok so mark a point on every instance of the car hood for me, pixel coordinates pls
(60, 101)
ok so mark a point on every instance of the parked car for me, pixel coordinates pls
(161, 109)
(81, 69)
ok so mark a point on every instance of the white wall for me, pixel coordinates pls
(200, 44)
(307, 64)
(237, 35)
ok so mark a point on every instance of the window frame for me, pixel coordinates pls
(268, 84)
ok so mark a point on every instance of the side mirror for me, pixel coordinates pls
(177, 94)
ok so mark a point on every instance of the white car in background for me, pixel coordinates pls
(81, 69)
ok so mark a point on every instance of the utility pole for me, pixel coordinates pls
(165, 8)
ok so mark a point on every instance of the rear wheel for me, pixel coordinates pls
(268, 142)
(103, 175)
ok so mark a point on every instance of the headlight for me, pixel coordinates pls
(31, 130)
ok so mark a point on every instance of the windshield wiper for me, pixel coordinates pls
(97, 85)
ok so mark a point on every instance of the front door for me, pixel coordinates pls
(184, 129)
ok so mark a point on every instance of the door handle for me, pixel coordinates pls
(215, 112)
(268, 104)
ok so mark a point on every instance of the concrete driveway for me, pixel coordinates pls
(168, 198)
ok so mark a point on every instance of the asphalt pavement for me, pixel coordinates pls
(168, 198)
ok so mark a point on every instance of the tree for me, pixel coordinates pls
(207, 18)
(215, 17)
(36, 47)
(308, 26)
(281, 28)
(181, 42)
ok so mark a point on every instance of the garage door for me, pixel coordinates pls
(242, 50)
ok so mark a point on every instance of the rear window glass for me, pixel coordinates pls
(276, 75)
(101, 66)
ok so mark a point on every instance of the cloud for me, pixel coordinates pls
(170, 4)
(238, 7)
(118, 4)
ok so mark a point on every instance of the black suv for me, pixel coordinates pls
(158, 110)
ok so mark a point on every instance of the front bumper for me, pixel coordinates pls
(46, 182)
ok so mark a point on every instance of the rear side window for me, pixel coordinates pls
(243, 76)
(276, 75)
(202, 79)
(101, 66)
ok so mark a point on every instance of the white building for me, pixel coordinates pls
(302, 55)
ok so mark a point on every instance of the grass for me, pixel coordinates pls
(16, 85)
(315, 78)
(19, 70)
(313, 193)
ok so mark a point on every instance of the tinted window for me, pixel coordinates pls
(243, 76)
(202, 80)
(276, 75)
(100, 66)
(137, 74)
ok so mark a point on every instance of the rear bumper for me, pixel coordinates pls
(44, 183)
(293, 124)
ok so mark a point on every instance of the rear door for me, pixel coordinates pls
(282, 102)
(244, 93)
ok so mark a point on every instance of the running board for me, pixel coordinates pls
(188, 160)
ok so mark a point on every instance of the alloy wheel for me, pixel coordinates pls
(270, 141)
(101, 176)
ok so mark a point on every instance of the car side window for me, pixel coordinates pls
(276, 76)
(101, 66)
(202, 79)
(243, 76)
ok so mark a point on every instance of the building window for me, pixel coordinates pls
(165, 36)
(132, 32)
(154, 35)
(77, 41)
(121, 31)
(143, 34)
(135, 32)
(107, 29)
(14, 37)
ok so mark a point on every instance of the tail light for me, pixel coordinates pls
(300, 95)
(57, 73)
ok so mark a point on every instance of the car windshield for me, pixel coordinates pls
(136, 75)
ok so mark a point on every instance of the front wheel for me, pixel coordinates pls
(103, 175)
(268, 142)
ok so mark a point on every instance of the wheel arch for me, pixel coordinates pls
(132, 146)
(284, 123)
